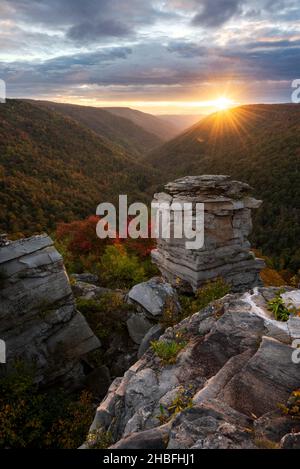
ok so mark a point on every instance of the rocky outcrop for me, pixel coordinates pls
(221, 391)
(38, 318)
(151, 299)
(227, 225)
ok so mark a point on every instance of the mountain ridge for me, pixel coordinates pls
(112, 128)
(161, 128)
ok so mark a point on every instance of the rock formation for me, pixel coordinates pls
(38, 318)
(227, 225)
(222, 391)
(129, 320)
(151, 300)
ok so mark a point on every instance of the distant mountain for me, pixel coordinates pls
(54, 169)
(119, 130)
(181, 121)
(258, 144)
(163, 129)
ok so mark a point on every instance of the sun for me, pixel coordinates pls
(223, 103)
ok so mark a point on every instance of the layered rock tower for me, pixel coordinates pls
(227, 224)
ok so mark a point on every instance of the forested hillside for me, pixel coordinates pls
(258, 144)
(119, 130)
(52, 169)
(156, 125)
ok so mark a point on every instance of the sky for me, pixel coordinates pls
(163, 57)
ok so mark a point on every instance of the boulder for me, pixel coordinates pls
(153, 297)
(290, 441)
(138, 325)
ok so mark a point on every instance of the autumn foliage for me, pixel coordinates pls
(120, 263)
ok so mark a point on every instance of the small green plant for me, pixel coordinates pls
(163, 417)
(167, 351)
(99, 439)
(278, 308)
(183, 400)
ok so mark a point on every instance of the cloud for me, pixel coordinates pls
(215, 13)
(187, 49)
(88, 31)
(70, 46)
(55, 12)
(86, 20)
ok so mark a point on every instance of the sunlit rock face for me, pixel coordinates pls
(38, 318)
(227, 224)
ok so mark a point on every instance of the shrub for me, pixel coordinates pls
(167, 351)
(81, 249)
(107, 315)
(272, 278)
(118, 269)
(170, 315)
(292, 407)
(70, 429)
(99, 439)
(211, 291)
(30, 418)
